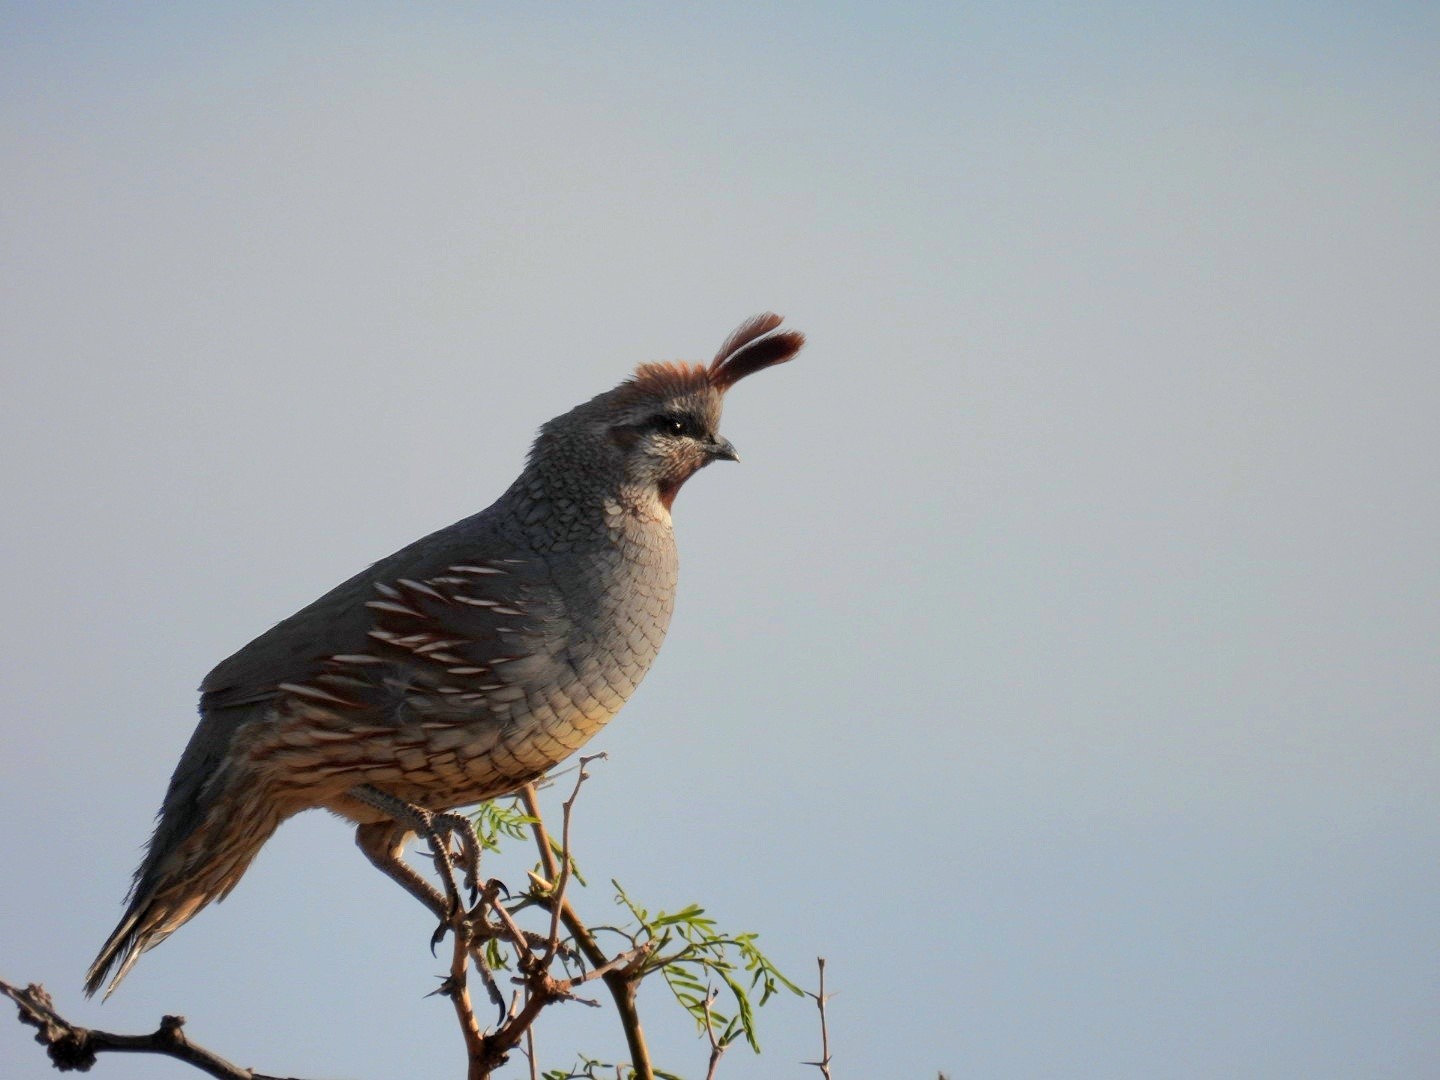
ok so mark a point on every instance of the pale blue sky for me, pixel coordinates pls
(1063, 662)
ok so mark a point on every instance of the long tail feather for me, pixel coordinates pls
(173, 886)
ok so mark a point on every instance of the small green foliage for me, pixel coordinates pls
(495, 957)
(506, 819)
(590, 1069)
(690, 951)
(685, 947)
(501, 818)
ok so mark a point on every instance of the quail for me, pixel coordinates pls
(456, 670)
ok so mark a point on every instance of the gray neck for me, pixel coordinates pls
(560, 509)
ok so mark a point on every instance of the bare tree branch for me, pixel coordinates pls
(820, 999)
(717, 1048)
(492, 1049)
(567, 808)
(72, 1047)
(456, 989)
(620, 982)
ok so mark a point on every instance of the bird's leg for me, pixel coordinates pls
(384, 848)
(383, 843)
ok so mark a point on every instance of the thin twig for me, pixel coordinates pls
(530, 1054)
(72, 1047)
(629, 959)
(621, 982)
(511, 931)
(717, 1048)
(567, 809)
(820, 999)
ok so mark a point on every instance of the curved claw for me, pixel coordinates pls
(453, 912)
(438, 936)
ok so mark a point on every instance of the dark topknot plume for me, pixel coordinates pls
(749, 349)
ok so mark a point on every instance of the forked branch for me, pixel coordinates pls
(535, 956)
(623, 980)
(72, 1047)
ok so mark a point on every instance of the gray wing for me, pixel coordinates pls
(452, 641)
(459, 598)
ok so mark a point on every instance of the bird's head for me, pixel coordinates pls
(659, 427)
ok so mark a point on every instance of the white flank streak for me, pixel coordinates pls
(421, 587)
(311, 692)
(389, 605)
(425, 650)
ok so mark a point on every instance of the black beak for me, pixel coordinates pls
(721, 449)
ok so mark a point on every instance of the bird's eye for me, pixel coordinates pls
(670, 425)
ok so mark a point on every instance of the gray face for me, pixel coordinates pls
(666, 441)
